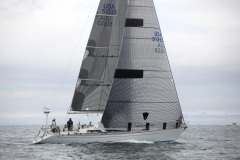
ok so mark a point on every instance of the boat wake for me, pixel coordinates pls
(134, 141)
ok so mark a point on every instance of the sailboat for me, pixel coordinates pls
(125, 76)
(233, 124)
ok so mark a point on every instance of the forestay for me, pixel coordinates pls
(101, 56)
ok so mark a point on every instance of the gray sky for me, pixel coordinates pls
(42, 44)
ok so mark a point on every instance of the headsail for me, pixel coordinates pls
(101, 56)
(143, 91)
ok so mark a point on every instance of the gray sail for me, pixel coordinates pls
(101, 56)
(143, 91)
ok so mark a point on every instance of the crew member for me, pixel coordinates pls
(54, 125)
(70, 124)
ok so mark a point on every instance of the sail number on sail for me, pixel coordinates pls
(105, 21)
(109, 9)
(158, 38)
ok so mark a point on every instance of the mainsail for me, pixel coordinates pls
(143, 92)
(100, 60)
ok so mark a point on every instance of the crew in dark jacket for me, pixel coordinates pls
(70, 124)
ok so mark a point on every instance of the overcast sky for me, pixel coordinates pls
(42, 44)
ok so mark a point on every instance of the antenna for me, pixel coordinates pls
(46, 110)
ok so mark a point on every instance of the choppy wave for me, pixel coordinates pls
(197, 142)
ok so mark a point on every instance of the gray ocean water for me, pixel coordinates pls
(197, 142)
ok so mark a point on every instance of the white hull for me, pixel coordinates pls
(150, 136)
